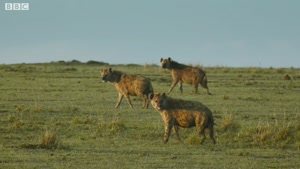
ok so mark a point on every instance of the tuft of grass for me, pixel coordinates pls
(82, 120)
(114, 126)
(227, 122)
(21, 109)
(37, 108)
(18, 124)
(226, 97)
(12, 118)
(194, 139)
(48, 141)
(277, 134)
(71, 109)
(16, 120)
(262, 134)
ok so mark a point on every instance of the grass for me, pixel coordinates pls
(61, 115)
(49, 141)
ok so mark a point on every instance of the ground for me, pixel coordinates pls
(256, 113)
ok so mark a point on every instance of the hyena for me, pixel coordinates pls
(181, 113)
(126, 85)
(185, 74)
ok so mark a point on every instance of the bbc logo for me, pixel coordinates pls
(16, 6)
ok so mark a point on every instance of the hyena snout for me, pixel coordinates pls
(104, 79)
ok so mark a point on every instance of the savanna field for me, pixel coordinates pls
(61, 115)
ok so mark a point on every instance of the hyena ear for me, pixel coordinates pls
(151, 96)
(101, 70)
(110, 70)
(161, 59)
(169, 59)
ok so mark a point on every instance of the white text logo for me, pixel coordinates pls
(16, 6)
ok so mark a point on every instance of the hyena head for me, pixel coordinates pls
(165, 63)
(106, 74)
(158, 100)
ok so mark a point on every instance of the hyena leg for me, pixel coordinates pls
(119, 100)
(173, 85)
(211, 135)
(180, 87)
(204, 85)
(145, 101)
(200, 128)
(168, 128)
(196, 88)
(176, 128)
(201, 131)
(201, 134)
(128, 100)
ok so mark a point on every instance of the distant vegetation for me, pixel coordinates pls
(76, 62)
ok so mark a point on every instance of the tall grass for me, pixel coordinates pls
(49, 140)
(277, 132)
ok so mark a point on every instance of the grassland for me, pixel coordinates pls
(61, 115)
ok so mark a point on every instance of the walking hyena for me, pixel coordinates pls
(185, 74)
(128, 85)
(180, 113)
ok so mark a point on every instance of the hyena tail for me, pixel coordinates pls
(211, 128)
(149, 92)
(150, 89)
(203, 82)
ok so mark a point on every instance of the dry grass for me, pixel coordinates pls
(48, 141)
(228, 123)
(275, 133)
(278, 134)
(194, 139)
(114, 125)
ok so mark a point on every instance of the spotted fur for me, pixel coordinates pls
(181, 113)
(185, 74)
(126, 85)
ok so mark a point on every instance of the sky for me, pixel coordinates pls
(231, 33)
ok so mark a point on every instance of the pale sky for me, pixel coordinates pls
(232, 33)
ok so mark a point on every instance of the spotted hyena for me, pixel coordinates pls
(185, 74)
(181, 113)
(126, 85)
